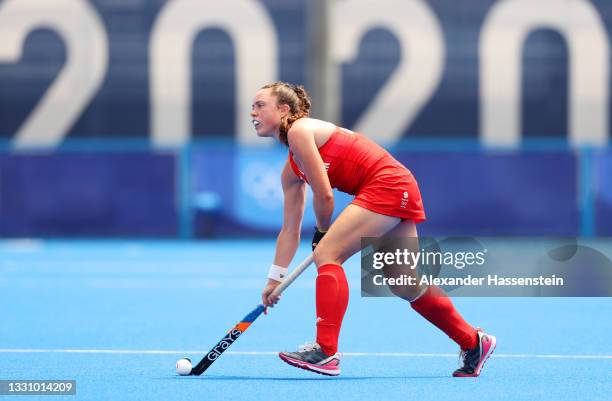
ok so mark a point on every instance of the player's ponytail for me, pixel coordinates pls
(294, 96)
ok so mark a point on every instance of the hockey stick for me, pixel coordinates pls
(244, 324)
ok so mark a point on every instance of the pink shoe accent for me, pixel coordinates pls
(487, 346)
(330, 368)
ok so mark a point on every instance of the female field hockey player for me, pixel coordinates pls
(387, 202)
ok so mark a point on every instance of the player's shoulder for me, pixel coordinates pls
(304, 124)
(307, 126)
(301, 130)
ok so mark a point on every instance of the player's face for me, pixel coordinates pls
(265, 113)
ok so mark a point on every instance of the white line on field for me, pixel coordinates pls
(183, 352)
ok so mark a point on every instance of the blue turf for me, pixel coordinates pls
(117, 295)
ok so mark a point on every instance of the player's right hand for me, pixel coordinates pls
(266, 296)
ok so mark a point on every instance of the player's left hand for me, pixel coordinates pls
(317, 237)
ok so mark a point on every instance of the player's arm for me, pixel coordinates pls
(294, 191)
(302, 143)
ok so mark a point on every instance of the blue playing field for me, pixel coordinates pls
(115, 316)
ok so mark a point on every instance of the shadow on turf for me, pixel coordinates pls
(256, 378)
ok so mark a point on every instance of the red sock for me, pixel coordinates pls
(436, 307)
(332, 299)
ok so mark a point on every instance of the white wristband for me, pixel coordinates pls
(277, 273)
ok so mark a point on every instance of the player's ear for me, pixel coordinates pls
(284, 109)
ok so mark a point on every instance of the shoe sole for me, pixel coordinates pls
(309, 367)
(486, 357)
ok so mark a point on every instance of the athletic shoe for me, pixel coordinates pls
(311, 357)
(474, 359)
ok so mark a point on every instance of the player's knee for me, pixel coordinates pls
(319, 255)
(407, 292)
(324, 254)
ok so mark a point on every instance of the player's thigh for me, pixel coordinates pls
(406, 229)
(344, 236)
(402, 237)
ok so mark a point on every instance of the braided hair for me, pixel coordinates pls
(294, 96)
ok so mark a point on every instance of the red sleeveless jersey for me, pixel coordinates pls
(359, 166)
(348, 157)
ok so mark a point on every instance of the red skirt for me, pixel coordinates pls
(392, 190)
